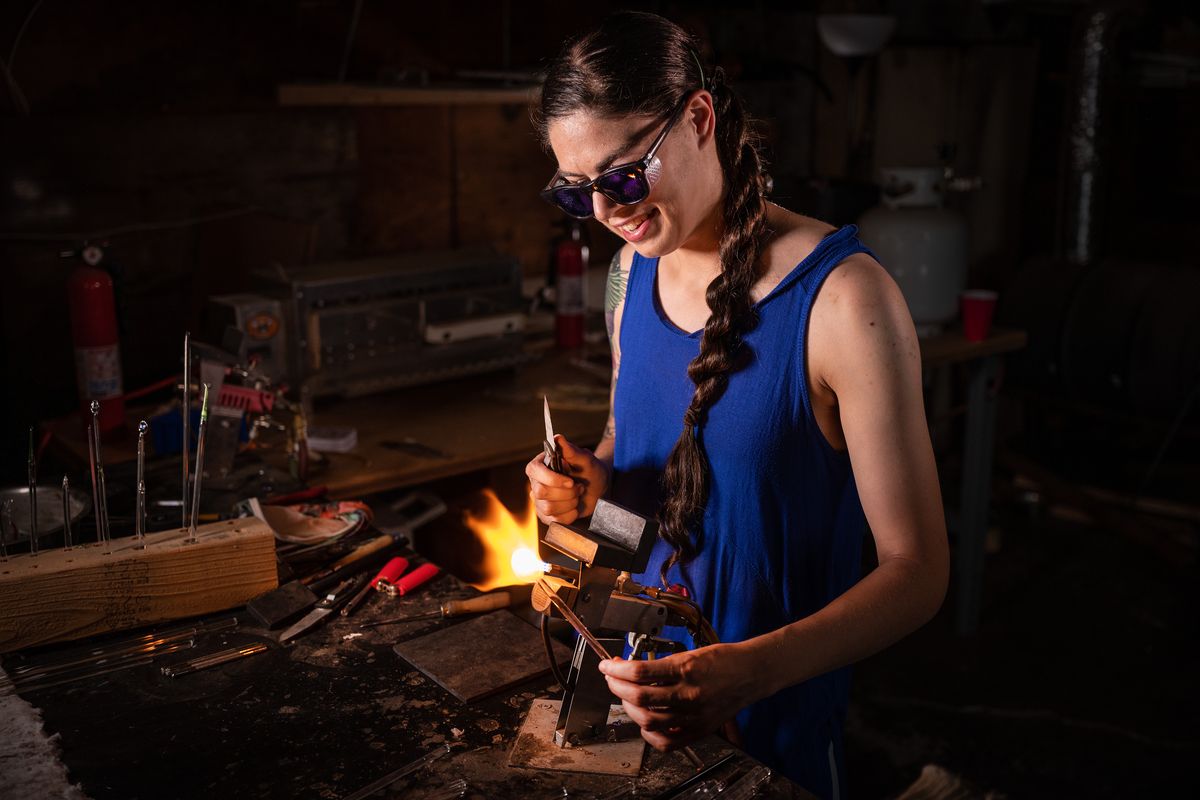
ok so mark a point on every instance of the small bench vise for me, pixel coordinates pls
(607, 608)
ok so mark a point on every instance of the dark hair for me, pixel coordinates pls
(639, 64)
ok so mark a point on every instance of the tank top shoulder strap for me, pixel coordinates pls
(641, 275)
(835, 248)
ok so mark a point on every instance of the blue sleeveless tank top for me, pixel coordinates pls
(783, 527)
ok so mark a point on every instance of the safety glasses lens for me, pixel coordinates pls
(574, 201)
(625, 187)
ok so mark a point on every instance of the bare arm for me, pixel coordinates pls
(865, 351)
(614, 309)
(565, 499)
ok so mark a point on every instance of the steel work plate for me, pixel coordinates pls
(535, 747)
(482, 656)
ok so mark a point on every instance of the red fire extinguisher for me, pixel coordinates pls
(94, 334)
(570, 265)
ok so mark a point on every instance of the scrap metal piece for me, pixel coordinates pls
(450, 656)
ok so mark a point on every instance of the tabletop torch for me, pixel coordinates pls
(600, 599)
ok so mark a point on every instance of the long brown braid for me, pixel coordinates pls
(641, 64)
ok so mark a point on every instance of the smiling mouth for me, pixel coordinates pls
(635, 223)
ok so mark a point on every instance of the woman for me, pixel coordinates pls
(758, 355)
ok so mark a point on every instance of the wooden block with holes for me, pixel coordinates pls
(63, 595)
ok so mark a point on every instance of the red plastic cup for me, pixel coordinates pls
(977, 307)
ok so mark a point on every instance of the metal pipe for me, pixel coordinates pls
(1087, 171)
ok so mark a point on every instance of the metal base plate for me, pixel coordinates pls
(535, 747)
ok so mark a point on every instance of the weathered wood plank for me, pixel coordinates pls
(64, 595)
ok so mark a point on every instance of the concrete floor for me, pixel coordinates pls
(1082, 680)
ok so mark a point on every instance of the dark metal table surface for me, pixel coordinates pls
(320, 718)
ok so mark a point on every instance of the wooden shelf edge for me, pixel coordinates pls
(351, 94)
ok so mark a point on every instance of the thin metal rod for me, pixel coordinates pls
(139, 514)
(5, 524)
(66, 491)
(95, 484)
(33, 517)
(86, 666)
(400, 620)
(47, 682)
(212, 659)
(126, 648)
(699, 777)
(691, 756)
(578, 625)
(392, 777)
(199, 466)
(187, 419)
(104, 532)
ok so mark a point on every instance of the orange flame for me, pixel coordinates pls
(510, 545)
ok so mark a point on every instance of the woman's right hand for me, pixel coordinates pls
(563, 499)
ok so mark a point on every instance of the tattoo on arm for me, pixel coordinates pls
(614, 297)
(614, 293)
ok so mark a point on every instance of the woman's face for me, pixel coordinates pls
(681, 199)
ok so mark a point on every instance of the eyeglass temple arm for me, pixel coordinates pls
(663, 136)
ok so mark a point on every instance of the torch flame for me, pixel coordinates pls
(509, 545)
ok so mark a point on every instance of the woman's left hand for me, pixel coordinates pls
(680, 698)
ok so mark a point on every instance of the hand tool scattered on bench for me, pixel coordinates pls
(452, 608)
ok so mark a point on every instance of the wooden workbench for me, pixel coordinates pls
(478, 422)
(320, 718)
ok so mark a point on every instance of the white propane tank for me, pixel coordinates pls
(922, 244)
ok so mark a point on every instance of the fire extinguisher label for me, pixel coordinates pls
(98, 370)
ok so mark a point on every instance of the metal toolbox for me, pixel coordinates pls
(367, 325)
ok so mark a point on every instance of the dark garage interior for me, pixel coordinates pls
(316, 226)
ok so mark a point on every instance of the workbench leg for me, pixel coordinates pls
(976, 489)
